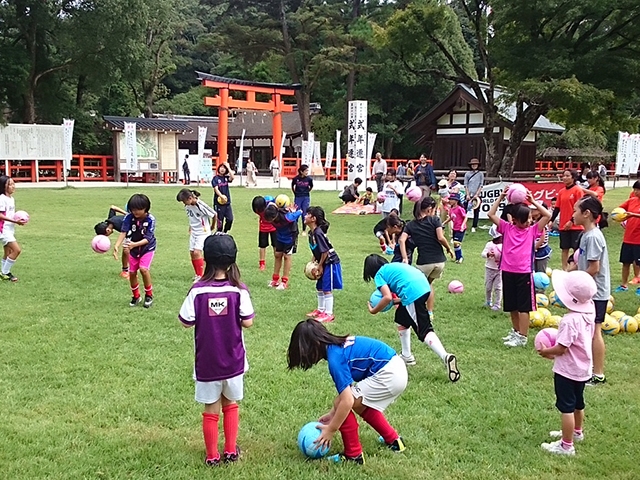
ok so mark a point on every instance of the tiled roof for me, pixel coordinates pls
(155, 124)
(235, 81)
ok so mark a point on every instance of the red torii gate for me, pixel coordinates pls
(224, 103)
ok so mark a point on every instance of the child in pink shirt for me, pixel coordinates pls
(572, 355)
(516, 264)
(458, 219)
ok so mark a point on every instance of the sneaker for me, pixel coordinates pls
(621, 288)
(473, 230)
(148, 301)
(325, 318)
(212, 462)
(273, 284)
(596, 380)
(314, 314)
(342, 458)
(488, 304)
(553, 233)
(509, 335)
(410, 360)
(557, 448)
(262, 267)
(517, 341)
(231, 457)
(496, 308)
(135, 301)
(460, 260)
(637, 289)
(635, 281)
(396, 446)
(451, 362)
(577, 437)
(282, 285)
(124, 275)
(9, 276)
(4, 276)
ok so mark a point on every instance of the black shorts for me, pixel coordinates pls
(518, 292)
(286, 248)
(415, 316)
(569, 394)
(570, 239)
(601, 309)
(630, 253)
(264, 237)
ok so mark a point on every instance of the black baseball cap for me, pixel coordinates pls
(220, 245)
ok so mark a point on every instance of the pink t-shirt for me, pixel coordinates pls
(518, 247)
(458, 218)
(575, 332)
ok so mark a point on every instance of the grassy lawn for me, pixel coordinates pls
(94, 389)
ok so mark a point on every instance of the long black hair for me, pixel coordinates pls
(186, 194)
(321, 220)
(394, 220)
(4, 180)
(258, 204)
(372, 264)
(593, 174)
(215, 263)
(520, 212)
(302, 169)
(308, 344)
(424, 204)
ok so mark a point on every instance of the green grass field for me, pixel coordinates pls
(94, 389)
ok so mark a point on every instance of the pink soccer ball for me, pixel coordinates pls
(456, 286)
(414, 194)
(21, 215)
(546, 338)
(100, 244)
(517, 193)
(381, 197)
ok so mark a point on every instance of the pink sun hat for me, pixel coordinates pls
(575, 289)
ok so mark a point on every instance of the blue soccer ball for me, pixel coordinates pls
(269, 199)
(375, 298)
(541, 281)
(309, 434)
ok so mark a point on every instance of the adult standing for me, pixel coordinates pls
(251, 173)
(473, 182)
(379, 171)
(186, 171)
(566, 200)
(222, 197)
(453, 184)
(425, 176)
(410, 173)
(274, 166)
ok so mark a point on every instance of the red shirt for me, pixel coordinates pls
(632, 232)
(566, 200)
(264, 225)
(599, 192)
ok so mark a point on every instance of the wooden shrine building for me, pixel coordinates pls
(451, 133)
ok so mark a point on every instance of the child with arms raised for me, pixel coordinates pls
(368, 376)
(219, 307)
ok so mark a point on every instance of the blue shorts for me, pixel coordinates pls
(458, 235)
(331, 278)
(303, 204)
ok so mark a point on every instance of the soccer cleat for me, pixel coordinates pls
(212, 462)
(621, 288)
(282, 285)
(577, 437)
(409, 360)
(557, 448)
(451, 362)
(635, 281)
(517, 341)
(4, 276)
(509, 335)
(596, 380)
(135, 301)
(314, 314)
(396, 446)
(273, 284)
(124, 275)
(148, 301)
(231, 457)
(473, 230)
(325, 318)
(9, 276)
(342, 458)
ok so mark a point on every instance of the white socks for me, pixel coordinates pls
(328, 303)
(405, 341)
(321, 301)
(433, 342)
(6, 265)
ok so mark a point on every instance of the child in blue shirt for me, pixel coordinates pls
(286, 222)
(222, 197)
(368, 376)
(412, 289)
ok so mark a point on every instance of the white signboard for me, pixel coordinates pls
(206, 165)
(371, 141)
(628, 155)
(130, 147)
(357, 139)
(31, 142)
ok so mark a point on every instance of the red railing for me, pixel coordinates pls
(559, 166)
(84, 168)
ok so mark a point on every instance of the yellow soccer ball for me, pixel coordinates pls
(609, 306)
(618, 314)
(629, 324)
(613, 300)
(546, 314)
(638, 312)
(222, 200)
(549, 272)
(618, 214)
(283, 201)
(610, 326)
(536, 319)
(553, 321)
(542, 300)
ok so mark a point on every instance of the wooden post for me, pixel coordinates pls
(223, 126)
(81, 168)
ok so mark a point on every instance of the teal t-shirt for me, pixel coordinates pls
(407, 282)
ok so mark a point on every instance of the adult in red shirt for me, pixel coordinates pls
(566, 199)
(630, 250)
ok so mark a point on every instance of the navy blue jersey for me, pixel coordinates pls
(222, 182)
(116, 221)
(287, 227)
(136, 230)
(301, 186)
(319, 243)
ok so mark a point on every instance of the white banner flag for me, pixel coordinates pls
(131, 146)
(282, 147)
(67, 126)
(329, 156)
(317, 156)
(371, 141)
(622, 159)
(241, 155)
(634, 154)
(338, 156)
(357, 142)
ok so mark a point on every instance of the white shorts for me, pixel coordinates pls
(196, 241)
(210, 392)
(7, 237)
(381, 390)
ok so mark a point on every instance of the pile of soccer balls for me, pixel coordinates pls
(615, 321)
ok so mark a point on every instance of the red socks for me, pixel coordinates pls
(350, 439)
(231, 424)
(135, 290)
(275, 277)
(198, 266)
(210, 432)
(380, 424)
(148, 291)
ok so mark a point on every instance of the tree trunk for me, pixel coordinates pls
(303, 97)
(388, 148)
(81, 88)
